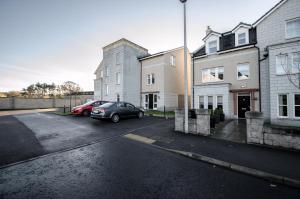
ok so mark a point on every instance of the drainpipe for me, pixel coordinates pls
(141, 84)
(193, 82)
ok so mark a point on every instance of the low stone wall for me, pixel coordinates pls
(35, 103)
(198, 126)
(258, 133)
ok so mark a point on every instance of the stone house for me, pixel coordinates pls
(118, 74)
(225, 72)
(162, 80)
(278, 38)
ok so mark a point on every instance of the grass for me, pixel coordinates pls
(159, 113)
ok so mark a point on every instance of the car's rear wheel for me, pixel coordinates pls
(115, 118)
(140, 115)
(86, 113)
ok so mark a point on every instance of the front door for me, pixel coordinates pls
(243, 105)
(150, 98)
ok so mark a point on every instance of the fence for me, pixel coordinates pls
(11, 103)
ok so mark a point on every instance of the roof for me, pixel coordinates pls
(211, 33)
(269, 12)
(241, 24)
(125, 40)
(158, 54)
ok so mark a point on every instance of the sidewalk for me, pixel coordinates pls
(18, 112)
(275, 161)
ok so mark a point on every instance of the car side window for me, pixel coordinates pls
(130, 106)
(122, 105)
(96, 104)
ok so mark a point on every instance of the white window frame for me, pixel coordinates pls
(146, 101)
(107, 71)
(201, 96)
(216, 71)
(287, 105)
(238, 38)
(209, 48)
(172, 60)
(294, 106)
(118, 78)
(286, 30)
(286, 63)
(222, 101)
(293, 55)
(213, 104)
(118, 58)
(237, 70)
(106, 89)
(155, 102)
(150, 79)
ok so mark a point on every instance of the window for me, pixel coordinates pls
(213, 46)
(296, 62)
(150, 79)
(210, 104)
(243, 71)
(281, 64)
(220, 102)
(118, 78)
(242, 38)
(130, 106)
(293, 28)
(213, 74)
(297, 105)
(282, 105)
(201, 102)
(146, 101)
(154, 101)
(106, 71)
(118, 58)
(106, 89)
(172, 60)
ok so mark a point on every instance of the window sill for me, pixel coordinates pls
(243, 79)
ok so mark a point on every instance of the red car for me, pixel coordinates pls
(86, 109)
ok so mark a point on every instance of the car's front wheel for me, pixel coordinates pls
(86, 113)
(140, 115)
(115, 118)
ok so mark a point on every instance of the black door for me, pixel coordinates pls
(150, 98)
(243, 105)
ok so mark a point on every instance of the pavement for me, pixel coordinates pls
(18, 112)
(275, 161)
(45, 155)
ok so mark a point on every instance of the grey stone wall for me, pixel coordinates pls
(258, 133)
(198, 126)
(34, 103)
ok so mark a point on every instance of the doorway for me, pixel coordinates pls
(151, 101)
(243, 105)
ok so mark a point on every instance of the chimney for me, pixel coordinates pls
(208, 30)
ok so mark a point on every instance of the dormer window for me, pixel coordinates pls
(213, 46)
(241, 38)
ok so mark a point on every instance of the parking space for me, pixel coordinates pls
(30, 135)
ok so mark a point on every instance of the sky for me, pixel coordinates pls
(61, 40)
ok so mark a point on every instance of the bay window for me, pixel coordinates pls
(201, 102)
(281, 64)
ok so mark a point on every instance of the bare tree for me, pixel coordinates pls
(291, 68)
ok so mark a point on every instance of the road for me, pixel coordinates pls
(116, 167)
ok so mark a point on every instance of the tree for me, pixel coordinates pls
(70, 87)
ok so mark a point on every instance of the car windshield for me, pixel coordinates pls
(88, 103)
(107, 105)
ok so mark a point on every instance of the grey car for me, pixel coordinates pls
(116, 110)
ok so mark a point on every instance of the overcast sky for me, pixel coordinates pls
(60, 40)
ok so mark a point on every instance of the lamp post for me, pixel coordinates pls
(186, 122)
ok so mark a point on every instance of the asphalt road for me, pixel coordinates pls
(115, 167)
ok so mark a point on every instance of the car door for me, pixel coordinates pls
(122, 109)
(131, 109)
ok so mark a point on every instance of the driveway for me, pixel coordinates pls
(30, 135)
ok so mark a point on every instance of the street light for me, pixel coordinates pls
(186, 122)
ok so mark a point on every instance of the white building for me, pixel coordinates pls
(118, 74)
